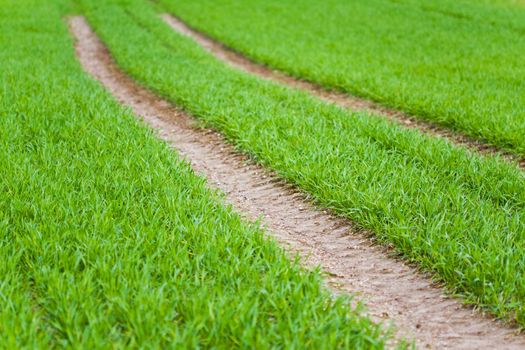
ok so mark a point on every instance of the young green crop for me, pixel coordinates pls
(457, 214)
(455, 63)
(107, 240)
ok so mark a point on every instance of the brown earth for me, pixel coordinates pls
(393, 292)
(237, 60)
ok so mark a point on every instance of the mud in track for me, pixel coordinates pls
(237, 60)
(392, 290)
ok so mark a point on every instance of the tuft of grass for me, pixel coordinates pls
(455, 213)
(108, 240)
(455, 63)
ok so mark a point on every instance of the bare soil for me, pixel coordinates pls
(237, 60)
(392, 291)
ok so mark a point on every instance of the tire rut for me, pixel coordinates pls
(392, 291)
(239, 61)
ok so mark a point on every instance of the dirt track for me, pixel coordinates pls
(392, 290)
(238, 61)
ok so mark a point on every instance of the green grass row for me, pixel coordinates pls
(456, 214)
(108, 240)
(455, 63)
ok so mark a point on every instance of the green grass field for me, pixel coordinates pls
(455, 63)
(107, 240)
(454, 213)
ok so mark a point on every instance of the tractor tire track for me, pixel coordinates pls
(239, 61)
(393, 291)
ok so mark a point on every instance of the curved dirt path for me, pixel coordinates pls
(392, 290)
(237, 60)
